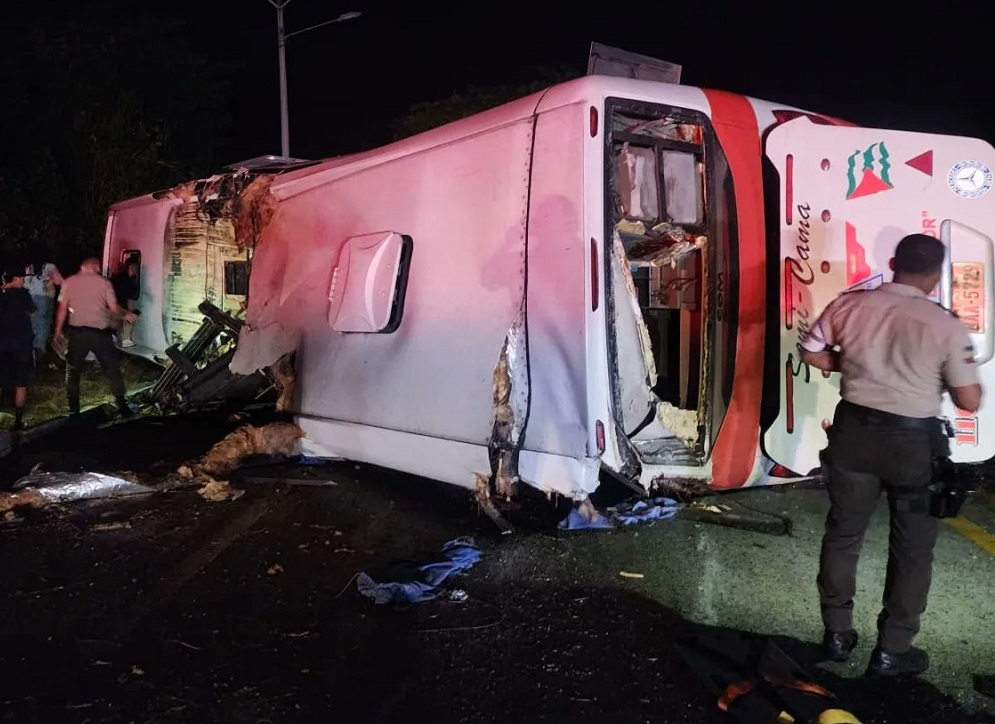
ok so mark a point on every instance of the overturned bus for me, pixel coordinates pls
(611, 275)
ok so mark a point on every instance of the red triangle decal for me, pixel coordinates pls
(923, 162)
(869, 184)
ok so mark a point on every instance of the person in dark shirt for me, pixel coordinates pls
(17, 360)
(126, 290)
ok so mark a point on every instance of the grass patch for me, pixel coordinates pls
(47, 397)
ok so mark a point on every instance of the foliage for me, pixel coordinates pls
(474, 99)
(102, 105)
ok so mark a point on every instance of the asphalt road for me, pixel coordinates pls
(169, 608)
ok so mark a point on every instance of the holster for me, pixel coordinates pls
(948, 490)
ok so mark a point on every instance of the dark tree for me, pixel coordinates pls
(102, 104)
(473, 99)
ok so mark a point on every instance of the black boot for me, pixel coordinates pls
(913, 661)
(18, 418)
(837, 646)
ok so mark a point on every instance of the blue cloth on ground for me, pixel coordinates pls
(308, 460)
(577, 521)
(645, 510)
(457, 556)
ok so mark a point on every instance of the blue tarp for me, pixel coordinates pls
(457, 556)
(645, 510)
(577, 521)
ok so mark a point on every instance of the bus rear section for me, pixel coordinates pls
(846, 196)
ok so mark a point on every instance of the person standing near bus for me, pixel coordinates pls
(88, 303)
(897, 353)
(17, 364)
(41, 280)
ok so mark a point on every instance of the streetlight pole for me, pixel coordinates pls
(281, 45)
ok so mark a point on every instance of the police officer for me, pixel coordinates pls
(87, 301)
(897, 352)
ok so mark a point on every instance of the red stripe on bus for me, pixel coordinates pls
(738, 442)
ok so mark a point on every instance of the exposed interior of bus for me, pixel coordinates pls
(657, 208)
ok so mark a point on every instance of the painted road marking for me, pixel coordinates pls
(974, 533)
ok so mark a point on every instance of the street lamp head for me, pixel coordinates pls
(349, 16)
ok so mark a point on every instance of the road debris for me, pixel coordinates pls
(627, 574)
(278, 438)
(218, 490)
(274, 569)
(118, 525)
(584, 516)
(38, 489)
(211, 471)
(414, 584)
(185, 645)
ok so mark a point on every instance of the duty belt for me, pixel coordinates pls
(880, 418)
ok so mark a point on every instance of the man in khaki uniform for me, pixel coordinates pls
(897, 353)
(88, 302)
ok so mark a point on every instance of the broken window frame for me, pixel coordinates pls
(721, 293)
(231, 264)
(661, 146)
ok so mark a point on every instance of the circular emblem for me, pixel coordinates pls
(970, 179)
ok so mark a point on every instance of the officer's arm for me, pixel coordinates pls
(960, 372)
(967, 398)
(116, 309)
(827, 359)
(816, 348)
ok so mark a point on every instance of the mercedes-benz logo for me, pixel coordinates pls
(970, 179)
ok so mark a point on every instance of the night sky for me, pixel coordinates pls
(348, 80)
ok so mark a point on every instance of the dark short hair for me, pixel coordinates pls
(919, 254)
(9, 272)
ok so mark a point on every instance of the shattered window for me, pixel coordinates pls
(638, 182)
(368, 283)
(682, 188)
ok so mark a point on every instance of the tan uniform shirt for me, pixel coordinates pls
(90, 298)
(898, 350)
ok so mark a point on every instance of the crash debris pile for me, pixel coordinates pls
(683, 423)
(278, 438)
(661, 245)
(253, 209)
(241, 198)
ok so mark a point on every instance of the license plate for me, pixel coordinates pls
(969, 295)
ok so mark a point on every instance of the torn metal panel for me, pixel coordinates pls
(252, 209)
(511, 400)
(636, 367)
(285, 378)
(263, 346)
(482, 494)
